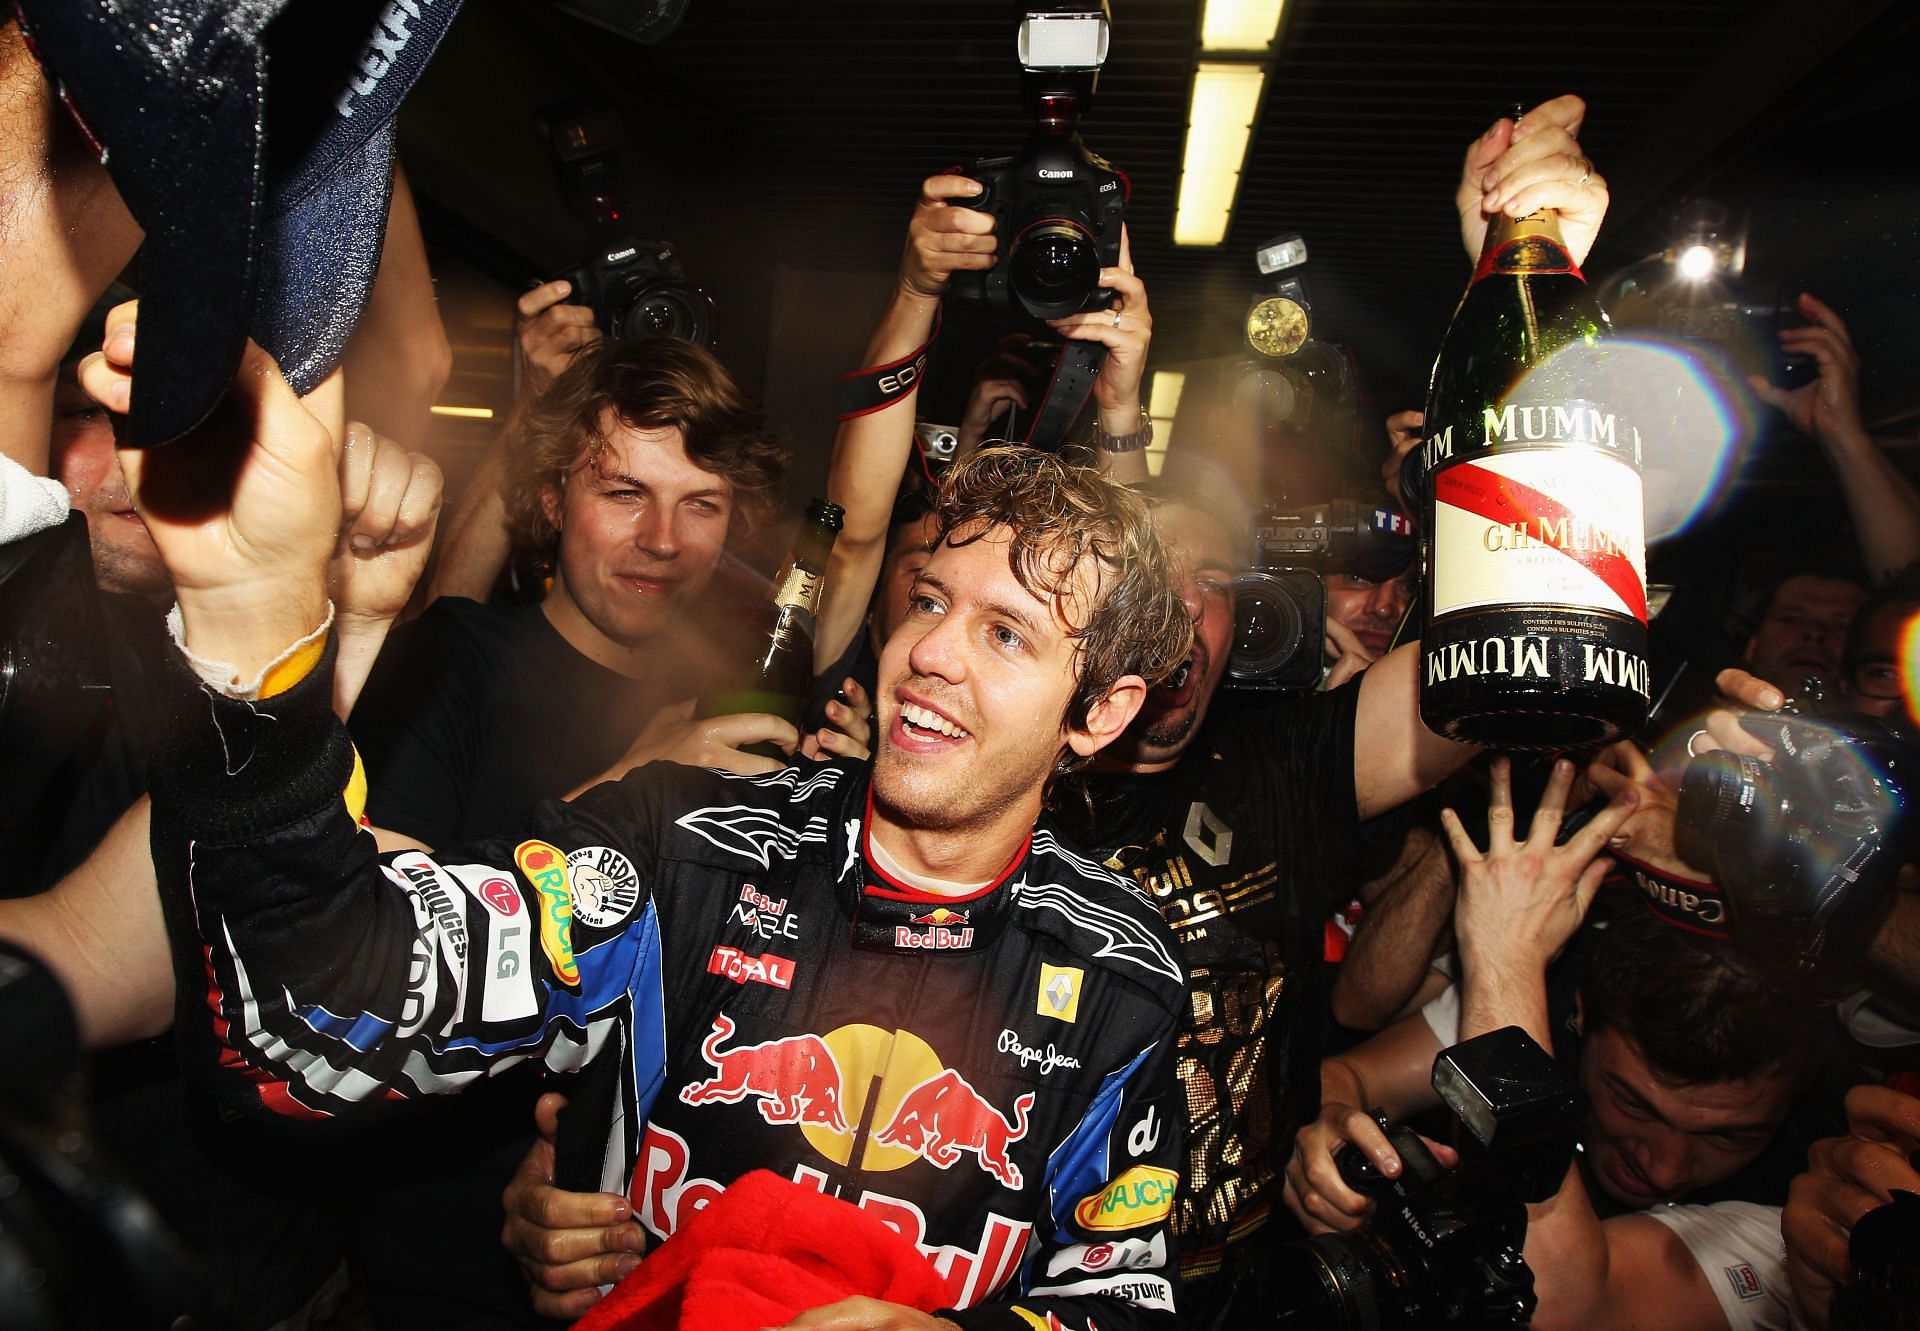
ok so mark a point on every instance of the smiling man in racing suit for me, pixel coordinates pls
(906, 991)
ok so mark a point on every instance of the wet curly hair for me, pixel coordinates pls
(1062, 514)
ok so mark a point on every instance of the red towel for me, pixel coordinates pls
(761, 1254)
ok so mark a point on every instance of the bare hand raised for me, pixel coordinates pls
(945, 236)
(245, 511)
(1520, 167)
(1520, 901)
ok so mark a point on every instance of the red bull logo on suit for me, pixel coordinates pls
(922, 1109)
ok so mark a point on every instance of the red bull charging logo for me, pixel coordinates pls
(922, 1109)
(943, 1117)
(795, 1080)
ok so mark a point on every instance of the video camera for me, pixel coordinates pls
(1280, 604)
(1445, 1247)
(637, 288)
(1058, 208)
(1805, 848)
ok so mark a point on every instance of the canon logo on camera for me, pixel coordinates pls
(1055, 175)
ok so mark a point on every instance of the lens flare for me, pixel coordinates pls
(1695, 427)
(1908, 660)
(1696, 261)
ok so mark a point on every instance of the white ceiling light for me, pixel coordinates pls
(1239, 25)
(1219, 124)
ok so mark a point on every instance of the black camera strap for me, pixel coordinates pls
(863, 392)
(1073, 375)
(1685, 903)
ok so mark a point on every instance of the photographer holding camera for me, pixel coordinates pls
(1694, 1064)
(1856, 1188)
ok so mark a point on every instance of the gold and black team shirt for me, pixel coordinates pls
(1246, 845)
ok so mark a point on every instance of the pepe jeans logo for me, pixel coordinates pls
(1048, 1059)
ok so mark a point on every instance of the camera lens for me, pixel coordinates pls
(664, 309)
(1266, 627)
(1715, 788)
(1054, 268)
(1355, 1282)
(1263, 624)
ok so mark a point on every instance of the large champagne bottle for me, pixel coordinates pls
(1535, 632)
(779, 676)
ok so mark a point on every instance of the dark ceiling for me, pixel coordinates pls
(772, 136)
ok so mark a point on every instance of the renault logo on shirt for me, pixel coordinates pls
(1060, 992)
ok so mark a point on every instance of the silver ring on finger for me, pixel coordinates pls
(1693, 739)
(1586, 174)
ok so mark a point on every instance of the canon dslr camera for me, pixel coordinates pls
(1445, 1246)
(1805, 847)
(637, 288)
(1057, 207)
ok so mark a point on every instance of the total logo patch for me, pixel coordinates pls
(744, 968)
(1141, 1196)
(606, 887)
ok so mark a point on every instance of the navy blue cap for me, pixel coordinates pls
(264, 216)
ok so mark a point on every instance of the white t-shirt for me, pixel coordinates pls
(1737, 1244)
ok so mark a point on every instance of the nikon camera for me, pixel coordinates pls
(1806, 847)
(1445, 1246)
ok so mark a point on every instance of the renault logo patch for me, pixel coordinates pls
(1059, 992)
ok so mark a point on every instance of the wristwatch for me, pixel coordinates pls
(1123, 443)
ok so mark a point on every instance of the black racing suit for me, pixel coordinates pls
(993, 1075)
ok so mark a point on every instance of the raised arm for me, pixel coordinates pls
(1520, 901)
(1883, 502)
(1388, 965)
(399, 359)
(334, 977)
(870, 450)
(548, 331)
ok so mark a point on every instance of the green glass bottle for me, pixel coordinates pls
(780, 674)
(1535, 623)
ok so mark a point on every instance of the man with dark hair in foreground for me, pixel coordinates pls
(953, 1018)
(1693, 1065)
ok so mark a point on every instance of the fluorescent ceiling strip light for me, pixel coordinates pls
(1163, 399)
(1219, 125)
(1239, 25)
